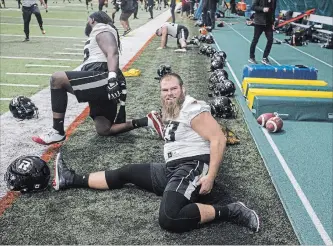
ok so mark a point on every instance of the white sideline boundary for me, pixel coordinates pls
(30, 74)
(45, 36)
(17, 134)
(38, 58)
(312, 214)
(41, 65)
(19, 24)
(84, 21)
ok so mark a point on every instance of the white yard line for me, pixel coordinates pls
(38, 58)
(18, 85)
(45, 36)
(20, 24)
(30, 74)
(84, 20)
(5, 99)
(68, 53)
(74, 49)
(78, 45)
(40, 65)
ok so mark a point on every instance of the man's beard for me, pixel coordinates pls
(88, 30)
(171, 110)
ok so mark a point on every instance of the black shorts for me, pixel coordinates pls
(125, 15)
(186, 7)
(182, 34)
(90, 86)
(181, 179)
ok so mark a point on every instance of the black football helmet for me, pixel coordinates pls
(213, 51)
(203, 49)
(222, 54)
(194, 41)
(220, 89)
(230, 88)
(202, 38)
(222, 73)
(23, 108)
(27, 174)
(222, 107)
(209, 51)
(209, 39)
(213, 78)
(217, 63)
(163, 70)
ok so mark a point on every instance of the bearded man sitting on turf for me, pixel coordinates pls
(193, 152)
(177, 31)
(98, 81)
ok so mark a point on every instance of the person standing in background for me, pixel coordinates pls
(127, 7)
(263, 22)
(172, 8)
(3, 3)
(233, 6)
(30, 7)
(136, 10)
(46, 10)
(150, 6)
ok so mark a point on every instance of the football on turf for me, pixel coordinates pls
(274, 124)
(262, 119)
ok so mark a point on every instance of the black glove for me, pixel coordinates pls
(113, 89)
(123, 92)
(122, 85)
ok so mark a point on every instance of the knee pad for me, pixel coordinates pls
(113, 179)
(177, 214)
(118, 177)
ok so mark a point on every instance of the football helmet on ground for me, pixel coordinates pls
(23, 108)
(27, 174)
(222, 107)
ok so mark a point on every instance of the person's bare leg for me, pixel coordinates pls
(97, 181)
(207, 212)
(105, 128)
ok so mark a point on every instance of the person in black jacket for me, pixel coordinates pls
(263, 22)
(209, 18)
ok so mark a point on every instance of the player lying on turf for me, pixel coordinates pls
(98, 81)
(177, 31)
(193, 151)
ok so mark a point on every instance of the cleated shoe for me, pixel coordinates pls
(63, 177)
(242, 215)
(51, 137)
